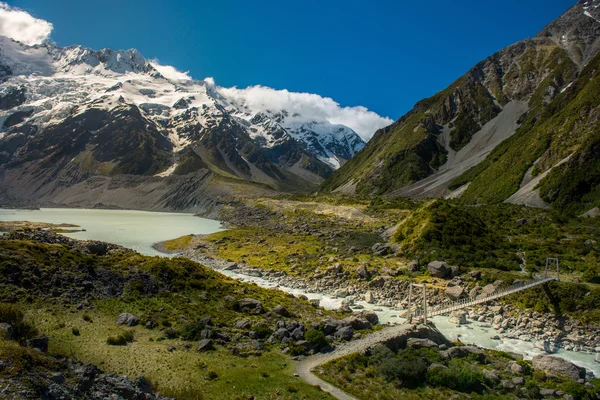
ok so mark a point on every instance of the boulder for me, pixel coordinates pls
(127, 319)
(416, 343)
(467, 351)
(487, 290)
(369, 316)
(438, 269)
(281, 310)
(356, 322)
(369, 297)
(597, 358)
(413, 266)
(491, 375)
(344, 333)
(6, 331)
(558, 366)
(475, 275)
(458, 317)
(243, 324)
(362, 272)
(434, 367)
(455, 292)
(40, 343)
(454, 271)
(205, 345)
(251, 306)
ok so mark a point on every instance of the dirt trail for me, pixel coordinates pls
(304, 368)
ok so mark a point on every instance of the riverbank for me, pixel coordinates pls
(494, 326)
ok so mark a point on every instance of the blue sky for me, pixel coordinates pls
(384, 55)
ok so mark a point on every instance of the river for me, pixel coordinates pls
(139, 230)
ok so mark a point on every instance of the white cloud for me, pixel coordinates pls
(261, 98)
(170, 72)
(19, 25)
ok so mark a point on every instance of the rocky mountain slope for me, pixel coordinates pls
(520, 126)
(75, 117)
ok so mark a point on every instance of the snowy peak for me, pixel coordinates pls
(81, 60)
(47, 59)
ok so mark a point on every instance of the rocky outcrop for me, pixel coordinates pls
(558, 366)
(438, 269)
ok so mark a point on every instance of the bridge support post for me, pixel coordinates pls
(425, 304)
(410, 302)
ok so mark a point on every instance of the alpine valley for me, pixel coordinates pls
(454, 255)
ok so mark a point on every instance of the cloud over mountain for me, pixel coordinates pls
(19, 25)
(261, 98)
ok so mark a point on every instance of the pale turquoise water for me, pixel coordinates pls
(137, 230)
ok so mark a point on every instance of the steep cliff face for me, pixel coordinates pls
(511, 113)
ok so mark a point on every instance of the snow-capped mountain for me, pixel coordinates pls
(87, 113)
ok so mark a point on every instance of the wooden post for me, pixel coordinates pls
(425, 303)
(410, 313)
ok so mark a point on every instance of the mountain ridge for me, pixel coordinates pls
(70, 114)
(467, 141)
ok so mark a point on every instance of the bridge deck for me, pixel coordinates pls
(473, 301)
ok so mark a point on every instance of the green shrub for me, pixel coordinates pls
(171, 333)
(459, 375)
(317, 338)
(411, 372)
(13, 315)
(192, 332)
(86, 317)
(211, 376)
(262, 331)
(121, 339)
(75, 331)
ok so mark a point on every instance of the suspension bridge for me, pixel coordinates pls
(420, 311)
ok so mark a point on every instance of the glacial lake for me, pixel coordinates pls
(137, 230)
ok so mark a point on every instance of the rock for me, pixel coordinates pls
(413, 266)
(507, 384)
(378, 282)
(415, 343)
(369, 316)
(344, 333)
(40, 343)
(127, 319)
(487, 290)
(518, 381)
(205, 345)
(466, 351)
(6, 331)
(356, 322)
(434, 367)
(491, 375)
(458, 317)
(243, 324)
(597, 358)
(547, 392)
(97, 248)
(58, 377)
(476, 275)
(454, 271)
(438, 269)
(369, 297)
(515, 368)
(281, 311)
(251, 306)
(558, 366)
(497, 310)
(362, 272)
(455, 292)
(298, 334)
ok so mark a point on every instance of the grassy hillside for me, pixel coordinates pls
(74, 296)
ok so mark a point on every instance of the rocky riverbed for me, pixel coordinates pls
(547, 332)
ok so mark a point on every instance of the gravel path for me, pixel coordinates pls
(304, 368)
